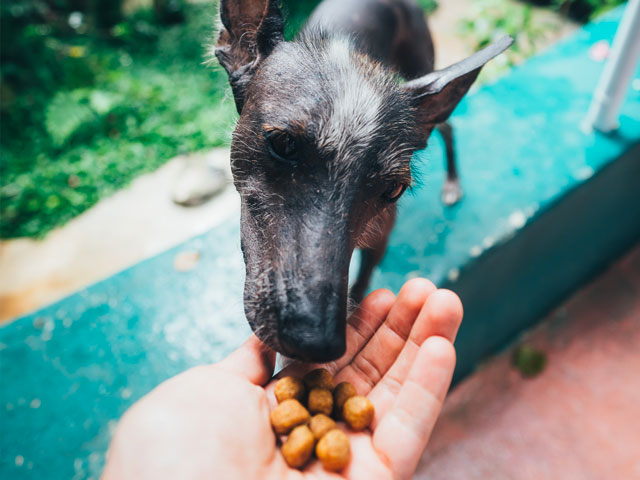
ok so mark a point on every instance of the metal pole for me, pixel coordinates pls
(614, 81)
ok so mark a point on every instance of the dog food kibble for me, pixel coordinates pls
(287, 415)
(320, 401)
(318, 378)
(299, 446)
(321, 424)
(358, 412)
(343, 392)
(333, 450)
(292, 418)
(289, 387)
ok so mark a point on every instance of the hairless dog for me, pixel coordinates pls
(322, 151)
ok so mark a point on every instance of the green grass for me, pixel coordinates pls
(95, 112)
(489, 20)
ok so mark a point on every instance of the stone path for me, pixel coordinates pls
(135, 223)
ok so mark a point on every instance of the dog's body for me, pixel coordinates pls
(392, 32)
(322, 151)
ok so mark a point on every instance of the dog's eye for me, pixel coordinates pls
(394, 192)
(281, 146)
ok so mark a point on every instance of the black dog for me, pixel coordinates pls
(322, 151)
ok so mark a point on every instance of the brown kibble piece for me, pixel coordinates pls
(358, 412)
(298, 447)
(333, 450)
(320, 401)
(289, 387)
(318, 378)
(287, 415)
(321, 424)
(343, 392)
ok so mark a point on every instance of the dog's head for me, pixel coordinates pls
(322, 149)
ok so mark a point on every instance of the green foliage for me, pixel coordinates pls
(581, 10)
(429, 6)
(489, 20)
(65, 114)
(587, 9)
(84, 113)
(296, 13)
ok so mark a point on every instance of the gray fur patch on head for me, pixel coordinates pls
(346, 101)
(365, 110)
(354, 116)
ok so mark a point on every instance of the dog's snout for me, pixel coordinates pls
(317, 347)
(313, 337)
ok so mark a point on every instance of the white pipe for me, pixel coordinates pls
(620, 67)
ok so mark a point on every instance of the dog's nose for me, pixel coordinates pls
(310, 338)
(313, 346)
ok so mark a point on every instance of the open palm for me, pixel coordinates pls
(213, 421)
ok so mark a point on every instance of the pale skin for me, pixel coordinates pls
(213, 421)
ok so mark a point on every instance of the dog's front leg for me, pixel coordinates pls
(372, 254)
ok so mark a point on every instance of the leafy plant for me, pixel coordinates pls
(84, 113)
(429, 6)
(65, 114)
(489, 20)
(581, 10)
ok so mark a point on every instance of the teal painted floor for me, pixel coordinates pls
(70, 370)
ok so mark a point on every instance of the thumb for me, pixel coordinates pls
(253, 360)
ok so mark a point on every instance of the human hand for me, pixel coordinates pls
(213, 421)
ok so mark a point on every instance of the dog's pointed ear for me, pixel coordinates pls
(250, 31)
(436, 94)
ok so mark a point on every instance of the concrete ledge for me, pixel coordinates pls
(510, 287)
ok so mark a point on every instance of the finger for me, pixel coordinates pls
(377, 356)
(361, 326)
(441, 315)
(416, 408)
(363, 323)
(253, 360)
